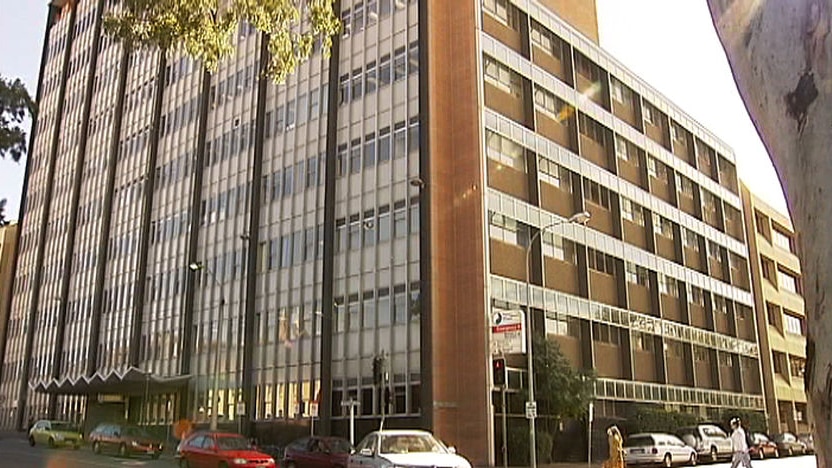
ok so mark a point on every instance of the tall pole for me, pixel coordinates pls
(215, 378)
(581, 217)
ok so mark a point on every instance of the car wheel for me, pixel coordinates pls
(96, 447)
(290, 465)
(667, 462)
(122, 451)
(223, 465)
(156, 455)
(31, 441)
(51, 442)
(714, 454)
(692, 461)
(184, 463)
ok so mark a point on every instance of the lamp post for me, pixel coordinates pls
(215, 378)
(577, 218)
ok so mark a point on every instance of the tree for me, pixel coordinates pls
(205, 28)
(15, 107)
(561, 391)
(780, 55)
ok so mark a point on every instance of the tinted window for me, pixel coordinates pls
(233, 443)
(339, 446)
(61, 426)
(134, 431)
(196, 441)
(299, 444)
(638, 441)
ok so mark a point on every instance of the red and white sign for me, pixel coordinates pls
(508, 332)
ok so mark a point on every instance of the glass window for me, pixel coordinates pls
(788, 282)
(400, 140)
(781, 240)
(632, 212)
(370, 78)
(399, 64)
(505, 151)
(384, 144)
(792, 324)
(370, 150)
(384, 72)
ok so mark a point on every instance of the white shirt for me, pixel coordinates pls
(738, 443)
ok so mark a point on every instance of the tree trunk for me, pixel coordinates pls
(779, 52)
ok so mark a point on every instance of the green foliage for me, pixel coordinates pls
(518, 444)
(657, 419)
(15, 106)
(205, 28)
(560, 390)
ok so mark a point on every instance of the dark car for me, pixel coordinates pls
(763, 447)
(212, 449)
(125, 440)
(808, 440)
(788, 444)
(317, 452)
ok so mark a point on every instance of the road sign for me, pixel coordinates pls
(313, 409)
(241, 407)
(531, 409)
(508, 334)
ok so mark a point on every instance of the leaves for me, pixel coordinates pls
(205, 28)
(560, 390)
(15, 106)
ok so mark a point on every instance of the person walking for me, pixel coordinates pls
(616, 443)
(739, 445)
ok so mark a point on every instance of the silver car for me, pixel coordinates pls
(710, 441)
(657, 449)
(404, 448)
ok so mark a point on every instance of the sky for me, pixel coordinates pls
(670, 44)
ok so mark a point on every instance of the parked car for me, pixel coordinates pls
(125, 440)
(808, 440)
(656, 448)
(710, 442)
(211, 449)
(763, 447)
(317, 452)
(410, 448)
(788, 444)
(55, 434)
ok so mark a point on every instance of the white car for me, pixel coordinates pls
(397, 448)
(657, 449)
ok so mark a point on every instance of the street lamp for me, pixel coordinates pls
(577, 218)
(196, 266)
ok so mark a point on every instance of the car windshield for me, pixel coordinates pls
(134, 431)
(410, 443)
(62, 426)
(339, 446)
(639, 441)
(233, 443)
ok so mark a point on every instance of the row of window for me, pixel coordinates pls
(375, 226)
(378, 148)
(363, 15)
(364, 81)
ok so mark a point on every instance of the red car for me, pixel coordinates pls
(220, 449)
(317, 452)
(763, 447)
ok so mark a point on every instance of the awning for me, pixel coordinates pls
(131, 381)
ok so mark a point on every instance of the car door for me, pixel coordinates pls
(208, 454)
(190, 448)
(37, 432)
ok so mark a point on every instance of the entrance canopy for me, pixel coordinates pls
(132, 381)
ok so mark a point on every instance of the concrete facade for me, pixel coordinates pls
(776, 274)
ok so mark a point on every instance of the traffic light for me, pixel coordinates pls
(499, 372)
(378, 370)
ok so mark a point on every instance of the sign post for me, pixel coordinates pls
(313, 413)
(351, 404)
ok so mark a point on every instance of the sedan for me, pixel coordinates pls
(213, 449)
(317, 452)
(787, 443)
(763, 447)
(657, 449)
(55, 433)
(411, 448)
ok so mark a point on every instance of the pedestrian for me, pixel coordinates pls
(739, 445)
(616, 443)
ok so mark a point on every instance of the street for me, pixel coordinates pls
(804, 461)
(16, 453)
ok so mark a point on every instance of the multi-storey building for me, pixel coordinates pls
(8, 249)
(386, 214)
(777, 282)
